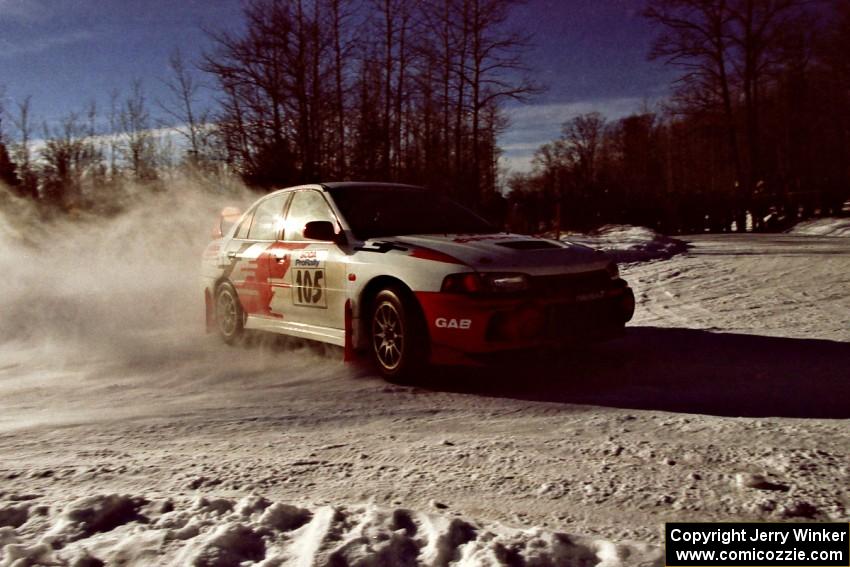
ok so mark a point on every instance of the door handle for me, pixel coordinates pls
(231, 255)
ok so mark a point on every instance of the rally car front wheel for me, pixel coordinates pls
(398, 336)
(229, 317)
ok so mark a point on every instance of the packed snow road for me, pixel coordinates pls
(729, 399)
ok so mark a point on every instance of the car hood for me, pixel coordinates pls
(509, 252)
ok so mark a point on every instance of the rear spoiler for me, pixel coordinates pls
(227, 218)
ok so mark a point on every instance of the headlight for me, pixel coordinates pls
(485, 283)
(506, 283)
(613, 270)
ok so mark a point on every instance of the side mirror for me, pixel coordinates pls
(320, 230)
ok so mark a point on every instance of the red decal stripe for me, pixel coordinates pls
(435, 255)
(269, 267)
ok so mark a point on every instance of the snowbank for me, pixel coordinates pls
(219, 532)
(823, 227)
(630, 243)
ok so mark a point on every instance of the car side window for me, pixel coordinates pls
(268, 219)
(242, 231)
(307, 206)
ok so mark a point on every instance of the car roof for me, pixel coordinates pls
(355, 185)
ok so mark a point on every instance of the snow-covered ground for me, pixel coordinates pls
(223, 531)
(630, 243)
(128, 436)
(823, 227)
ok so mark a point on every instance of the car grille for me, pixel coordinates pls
(570, 284)
(582, 319)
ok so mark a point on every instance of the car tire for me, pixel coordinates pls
(229, 316)
(397, 335)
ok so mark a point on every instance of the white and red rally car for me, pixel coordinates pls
(404, 274)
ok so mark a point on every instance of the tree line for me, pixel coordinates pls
(77, 163)
(311, 90)
(755, 136)
(396, 90)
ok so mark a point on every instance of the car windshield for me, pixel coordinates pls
(374, 212)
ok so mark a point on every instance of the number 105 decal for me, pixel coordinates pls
(309, 288)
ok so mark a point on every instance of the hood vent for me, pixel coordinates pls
(528, 244)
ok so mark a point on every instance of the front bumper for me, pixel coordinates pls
(462, 327)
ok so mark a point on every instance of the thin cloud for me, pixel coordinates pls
(519, 164)
(549, 117)
(533, 125)
(520, 147)
(164, 134)
(26, 10)
(38, 45)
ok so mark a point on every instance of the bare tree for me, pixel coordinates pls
(306, 92)
(190, 122)
(495, 69)
(696, 36)
(339, 17)
(21, 150)
(582, 139)
(393, 26)
(265, 76)
(760, 30)
(8, 169)
(728, 49)
(69, 158)
(114, 120)
(138, 145)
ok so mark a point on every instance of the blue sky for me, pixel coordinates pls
(591, 55)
